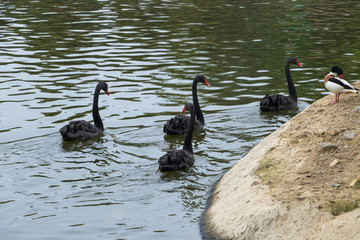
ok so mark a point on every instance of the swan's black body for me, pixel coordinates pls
(179, 124)
(81, 129)
(276, 102)
(180, 159)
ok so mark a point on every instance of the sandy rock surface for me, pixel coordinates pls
(283, 187)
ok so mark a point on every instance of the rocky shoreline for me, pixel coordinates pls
(297, 183)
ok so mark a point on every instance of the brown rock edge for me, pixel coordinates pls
(282, 188)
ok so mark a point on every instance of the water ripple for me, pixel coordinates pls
(52, 56)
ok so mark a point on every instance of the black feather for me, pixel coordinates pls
(276, 102)
(179, 124)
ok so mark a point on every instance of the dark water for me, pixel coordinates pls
(52, 54)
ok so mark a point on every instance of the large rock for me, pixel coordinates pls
(244, 206)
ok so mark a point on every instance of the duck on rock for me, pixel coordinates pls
(335, 84)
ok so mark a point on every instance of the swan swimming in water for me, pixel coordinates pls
(181, 159)
(81, 129)
(178, 124)
(276, 102)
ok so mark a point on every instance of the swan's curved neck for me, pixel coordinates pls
(95, 110)
(187, 142)
(198, 112)
(291, 87)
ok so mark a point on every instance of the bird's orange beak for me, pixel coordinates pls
(183, 109)
(206, 83)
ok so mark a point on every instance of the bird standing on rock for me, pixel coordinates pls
(335, 84)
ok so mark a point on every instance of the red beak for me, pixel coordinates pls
(107, 92)
(298, 64)
(183, 109)
(341, 75)
(206, 83)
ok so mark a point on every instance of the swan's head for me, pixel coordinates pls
(294, 61)
(103, 86)
(188, 107)
(202, 79)
(337, 71)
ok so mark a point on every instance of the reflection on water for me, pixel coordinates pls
(52, 54)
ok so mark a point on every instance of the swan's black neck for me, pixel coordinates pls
(187, 142)
(198, 112)
(291, 87)
(95, 110)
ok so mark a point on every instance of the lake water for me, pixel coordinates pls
(53, 53)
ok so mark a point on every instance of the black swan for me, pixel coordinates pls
(180, 159)
(335, 84)
(81, 129)
(179, 123)
(275, 102)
